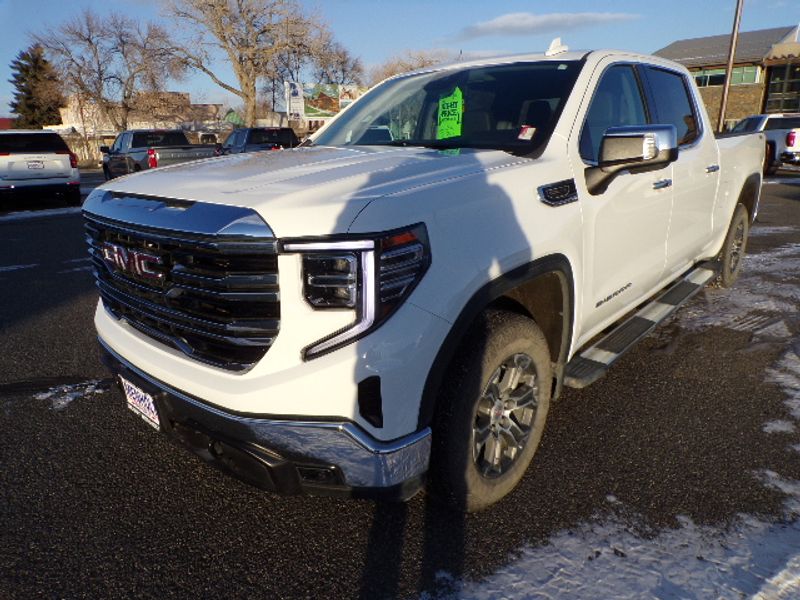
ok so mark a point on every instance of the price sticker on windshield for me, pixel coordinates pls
(451, 111)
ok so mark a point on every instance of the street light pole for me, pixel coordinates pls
(729, 71)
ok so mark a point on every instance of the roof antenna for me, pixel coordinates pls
(556, 47)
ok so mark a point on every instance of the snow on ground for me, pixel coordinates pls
(750, 558)
(62, 395)
(7, 268)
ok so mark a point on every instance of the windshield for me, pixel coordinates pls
(511, 107)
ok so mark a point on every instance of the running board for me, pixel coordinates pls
(591, 364)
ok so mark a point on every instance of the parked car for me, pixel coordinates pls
(255, 139)
(141, 149)
(38, 161)
(791, 152)
(776, 128)
(398, 304)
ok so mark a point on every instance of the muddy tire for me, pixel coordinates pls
(491, 412)
(732, 254)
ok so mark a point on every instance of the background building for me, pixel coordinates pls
(766, 72)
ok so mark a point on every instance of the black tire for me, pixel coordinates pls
(770, 166)
(471, 407)
(732, 254)
(73, 196)
(106, 173)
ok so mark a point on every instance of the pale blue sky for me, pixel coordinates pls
(377, 29)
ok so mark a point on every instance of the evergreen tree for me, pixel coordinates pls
(38, 93)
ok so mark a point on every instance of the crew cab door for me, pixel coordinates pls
(624, 227)
(695, 173)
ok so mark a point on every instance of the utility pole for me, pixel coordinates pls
(729, 71)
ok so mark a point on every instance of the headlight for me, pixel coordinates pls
(370, 274)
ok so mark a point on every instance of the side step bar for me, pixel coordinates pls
(590, 365)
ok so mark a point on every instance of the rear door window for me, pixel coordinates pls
(18, 143)
(148, 139)
(672, 103)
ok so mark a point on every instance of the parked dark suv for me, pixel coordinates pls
(254, 139)
(38, 161)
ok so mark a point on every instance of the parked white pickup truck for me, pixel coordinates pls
(360, 317)
(782, 132)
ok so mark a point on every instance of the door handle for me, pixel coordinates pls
(662, 183)
(712, 168)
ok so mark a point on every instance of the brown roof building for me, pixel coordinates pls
(765, 77)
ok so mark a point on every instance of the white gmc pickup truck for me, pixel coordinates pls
(398, 302)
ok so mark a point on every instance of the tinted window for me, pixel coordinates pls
(229, 140)
(747, 125)
(672, 103)
(617, 102)
(283, 137)
(32, 142)
(783, 123)
(159, 138)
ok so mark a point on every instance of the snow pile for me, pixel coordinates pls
(61, 396)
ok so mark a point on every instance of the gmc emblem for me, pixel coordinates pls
(133, 262)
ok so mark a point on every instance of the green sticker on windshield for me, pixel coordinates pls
(451, 110)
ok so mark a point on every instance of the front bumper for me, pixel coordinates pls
(282, 455)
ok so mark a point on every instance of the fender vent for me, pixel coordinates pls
(370, 403)
(559, 193)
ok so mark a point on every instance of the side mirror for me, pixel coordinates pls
(635, 149)
(105, 149)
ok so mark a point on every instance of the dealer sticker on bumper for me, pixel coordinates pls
(141, 403)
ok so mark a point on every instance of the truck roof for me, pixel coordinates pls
(568, 55)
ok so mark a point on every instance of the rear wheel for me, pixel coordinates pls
(770, 167)
(491, 412)
(732, 254)
(73, 196)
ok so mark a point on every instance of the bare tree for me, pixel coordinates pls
(113, 62)
(335, 64)
(251, 34)
(409, 61)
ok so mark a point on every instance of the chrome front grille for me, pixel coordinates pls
(214, 297)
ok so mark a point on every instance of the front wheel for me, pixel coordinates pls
(491, 411)
(732, 254)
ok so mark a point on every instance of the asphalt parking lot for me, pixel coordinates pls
(96, 504)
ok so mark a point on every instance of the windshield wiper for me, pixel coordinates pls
(434, 144)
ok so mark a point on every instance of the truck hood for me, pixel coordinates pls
(310, 191)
